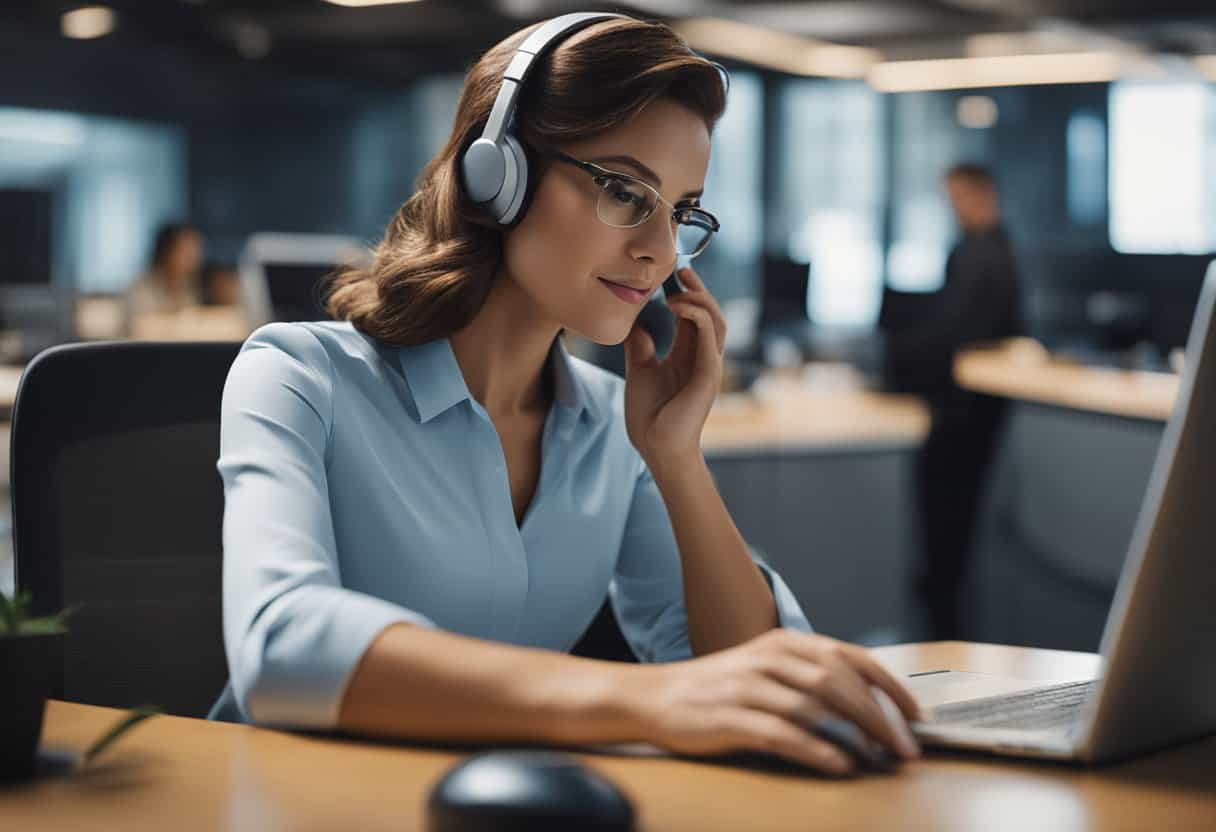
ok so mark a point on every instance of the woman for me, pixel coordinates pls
(427, 504)
(170, 284)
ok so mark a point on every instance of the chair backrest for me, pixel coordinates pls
(117, 510)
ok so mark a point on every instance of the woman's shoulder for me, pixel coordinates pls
(313, 359)
(318, 344)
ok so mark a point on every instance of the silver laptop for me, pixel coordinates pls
(1158, 684)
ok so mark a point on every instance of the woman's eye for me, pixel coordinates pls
(623, 195)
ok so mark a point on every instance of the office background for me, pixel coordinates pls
(308, 117)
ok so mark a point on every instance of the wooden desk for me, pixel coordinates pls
(787, 415)
(183, 774)
(10, 377)
(1020, 369)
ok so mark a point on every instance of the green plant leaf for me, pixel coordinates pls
(8, 616)
(21, 606)
(128, 721)
(15, 621)
(40, 626)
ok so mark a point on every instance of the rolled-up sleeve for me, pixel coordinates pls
(647, 590)
(292, 633)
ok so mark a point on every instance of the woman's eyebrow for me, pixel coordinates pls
(646, 172)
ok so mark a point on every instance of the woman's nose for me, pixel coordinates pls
(653, 241)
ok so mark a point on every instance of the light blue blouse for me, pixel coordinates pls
(365, 486)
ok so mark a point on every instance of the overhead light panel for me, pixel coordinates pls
(978, 112)
(87, 23)
(1004, 71)
(776, 50)
(360, 3)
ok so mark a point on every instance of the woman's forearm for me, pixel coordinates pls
(726, 597)
(418, 683)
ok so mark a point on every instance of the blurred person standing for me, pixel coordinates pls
(170, 284)
(979, 301)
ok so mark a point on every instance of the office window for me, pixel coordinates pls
(927, 141)
(111, 182)
(829, 204)
(733, 192)
(1163, 168)
(1086, 142)
(393, 139)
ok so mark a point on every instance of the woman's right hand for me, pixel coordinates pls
(765, 696)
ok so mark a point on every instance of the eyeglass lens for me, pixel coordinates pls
(625, 204)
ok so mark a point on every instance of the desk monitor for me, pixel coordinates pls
(783, 295)
(282, 274)
(25, 236)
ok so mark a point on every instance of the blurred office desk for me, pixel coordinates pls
(200, 323)
(814, 470)
(1019, 369)
(1065, 491)
(185, 774)
(10, 377)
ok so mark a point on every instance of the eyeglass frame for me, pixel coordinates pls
(596, 171)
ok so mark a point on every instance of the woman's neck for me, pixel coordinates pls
(502, 353)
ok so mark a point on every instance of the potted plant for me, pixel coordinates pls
(31, 649)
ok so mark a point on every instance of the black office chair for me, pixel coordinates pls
(117, 509)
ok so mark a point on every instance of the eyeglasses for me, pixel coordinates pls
(626, 202)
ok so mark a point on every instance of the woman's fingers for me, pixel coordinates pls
(753, 730)
(855, 693)
(849, 698)
(705, 303)
(708, 356)
(697, 293)
(868, 667)
(639, 347)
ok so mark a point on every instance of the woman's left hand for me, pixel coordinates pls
(666, 402)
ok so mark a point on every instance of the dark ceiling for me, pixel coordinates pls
(392, 42)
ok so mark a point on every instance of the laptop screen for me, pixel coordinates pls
(294, 290)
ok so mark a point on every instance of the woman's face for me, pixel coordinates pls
(565, 259)
(184, 257)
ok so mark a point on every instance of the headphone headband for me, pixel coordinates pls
(494, 168)
(526, 57)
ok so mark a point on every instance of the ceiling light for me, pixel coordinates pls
(776, 50)
(360, 3)
(977, 111)
(86, 23)
(1010, 70)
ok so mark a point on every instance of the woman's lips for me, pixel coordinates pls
(633, 296)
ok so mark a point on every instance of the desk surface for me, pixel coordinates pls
(10, 377)
(1019, 370)
(182, 774)
(789, 416)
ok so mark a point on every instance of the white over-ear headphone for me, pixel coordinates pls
(495, 167)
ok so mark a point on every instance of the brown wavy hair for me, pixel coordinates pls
(434, 268)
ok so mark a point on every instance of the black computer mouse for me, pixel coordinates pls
(537, 791)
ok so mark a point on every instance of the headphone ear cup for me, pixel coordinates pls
(516, 199)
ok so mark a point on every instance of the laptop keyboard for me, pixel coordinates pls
(1036, 710)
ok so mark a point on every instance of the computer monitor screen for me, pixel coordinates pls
(295, 290)
(25, 236)
(783, 296)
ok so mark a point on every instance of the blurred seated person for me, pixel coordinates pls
(221, 285)
(978, 302)
(170, 284)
